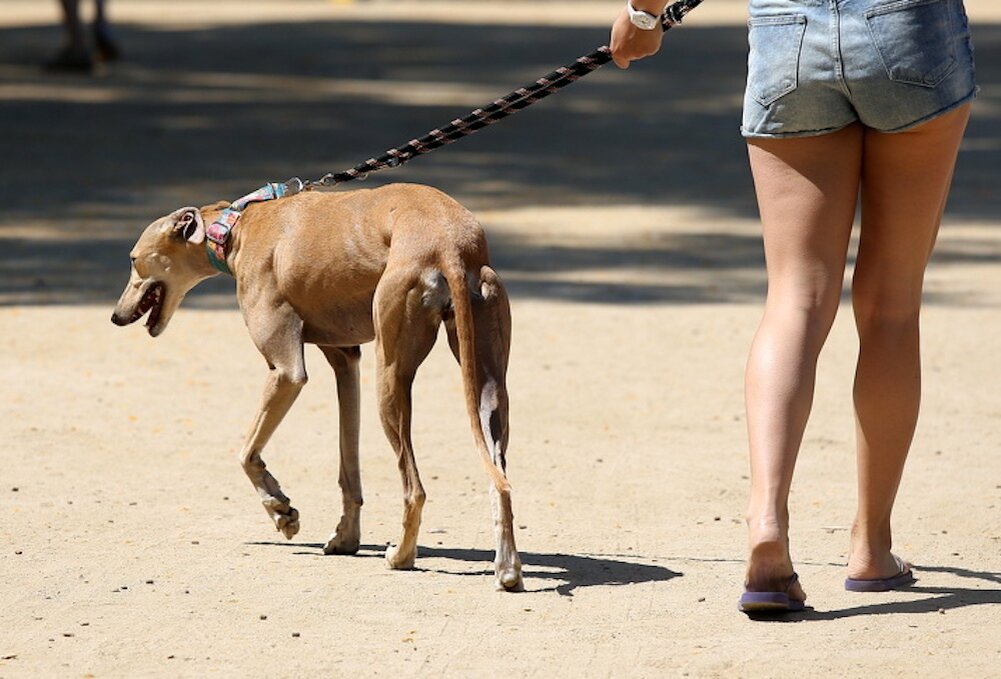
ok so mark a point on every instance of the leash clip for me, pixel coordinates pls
(294, 186)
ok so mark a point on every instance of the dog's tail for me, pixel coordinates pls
(455, 276)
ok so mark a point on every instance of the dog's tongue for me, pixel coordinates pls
(152, 300)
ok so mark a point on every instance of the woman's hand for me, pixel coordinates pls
(629, 43)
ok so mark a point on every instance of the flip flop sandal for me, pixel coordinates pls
(771, 602)
(904, 578)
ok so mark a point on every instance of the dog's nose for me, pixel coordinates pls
(116, 319)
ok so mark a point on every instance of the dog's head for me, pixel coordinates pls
(167, 261)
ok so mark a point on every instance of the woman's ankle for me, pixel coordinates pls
(767, 526)
(870, 555)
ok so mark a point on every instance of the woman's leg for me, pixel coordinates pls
(807, 192)
(74, 55)
(72, 25)
(905, 181)
(106, 45)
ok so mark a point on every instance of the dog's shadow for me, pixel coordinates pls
(566, 572)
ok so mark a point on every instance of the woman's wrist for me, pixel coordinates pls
(655, 7)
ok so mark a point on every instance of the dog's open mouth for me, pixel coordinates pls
(151, 302)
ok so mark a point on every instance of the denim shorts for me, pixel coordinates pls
(816, 66)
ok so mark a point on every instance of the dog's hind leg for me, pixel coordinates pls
(277, 332)
(491, 315)
(406, 324)
(344, 361)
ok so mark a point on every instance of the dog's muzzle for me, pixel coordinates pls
(152, 301)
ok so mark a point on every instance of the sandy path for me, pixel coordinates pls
(132, 545)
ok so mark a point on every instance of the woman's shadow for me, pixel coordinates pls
(940, 599)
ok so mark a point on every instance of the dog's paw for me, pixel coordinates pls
(399, 561)
(346, 539)
(285, 516)
(288, 524)
(509, 579)
(338, 544)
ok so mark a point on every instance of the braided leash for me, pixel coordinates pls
(217, 233)
(478, 119)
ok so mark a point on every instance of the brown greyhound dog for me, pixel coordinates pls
(338, 269)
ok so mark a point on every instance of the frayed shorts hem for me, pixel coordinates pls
(828, 130)
(790, 135)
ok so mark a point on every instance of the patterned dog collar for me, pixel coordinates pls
(217, 233)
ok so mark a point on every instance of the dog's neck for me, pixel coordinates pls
(217, 233)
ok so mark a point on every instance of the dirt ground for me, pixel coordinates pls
(621, 215)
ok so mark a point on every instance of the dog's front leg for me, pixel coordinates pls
(344, 361)
(277, 332)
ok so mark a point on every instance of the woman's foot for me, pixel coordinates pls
(769, 566)
(769, 569)
(872, 567)
(898, 576)
(869, 567)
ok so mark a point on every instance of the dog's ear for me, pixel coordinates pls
(189, 225)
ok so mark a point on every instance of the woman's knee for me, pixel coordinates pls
(887, 315)
(804, 312)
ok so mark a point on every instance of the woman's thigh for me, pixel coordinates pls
(905, 182)
(807, 190)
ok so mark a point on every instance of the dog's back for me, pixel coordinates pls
(326, 252)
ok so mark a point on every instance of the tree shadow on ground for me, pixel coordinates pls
(196, 115)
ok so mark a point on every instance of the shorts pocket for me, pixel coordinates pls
(914, 39)
(773, 60)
